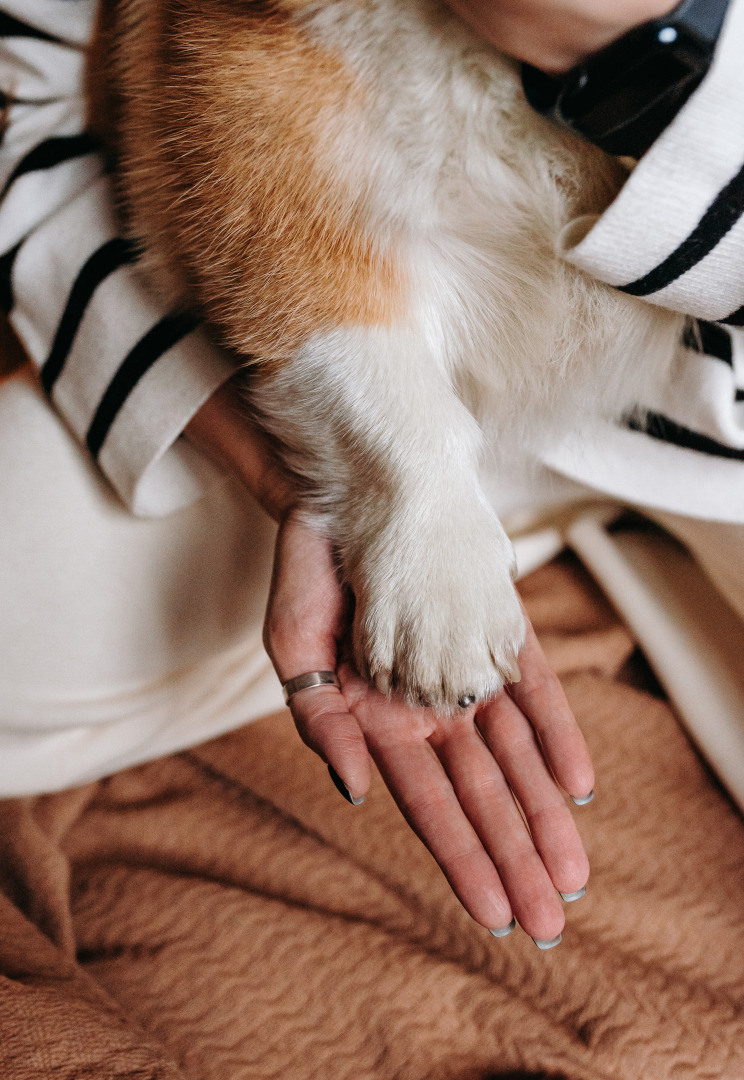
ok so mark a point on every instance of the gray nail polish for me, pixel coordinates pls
(341, 786)
(504, 930)
(569, 897)
(583, 799)
(551, 944)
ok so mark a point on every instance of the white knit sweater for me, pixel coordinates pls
(127, 377)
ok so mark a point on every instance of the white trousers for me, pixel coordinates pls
(121, 639)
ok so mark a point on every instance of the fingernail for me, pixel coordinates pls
(343, 788)
(583, 799)
(569, 897)
(504, 930)
(548, 944)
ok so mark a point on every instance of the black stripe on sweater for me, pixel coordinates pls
(52, 152)
(718, 219)
(736, 318)
(661, 427)
(709, 339)
(6, 274)
(103, 262)
(11, 27)
(157, 341)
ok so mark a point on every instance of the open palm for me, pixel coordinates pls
(457, 779)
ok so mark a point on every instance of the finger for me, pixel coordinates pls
(486, 799)
(306, 610)
(540, 697)
(325, 725)
(513, 744)
(321, 714)
(304, 618)
(429, 804)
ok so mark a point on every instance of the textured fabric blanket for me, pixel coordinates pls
(223, 914)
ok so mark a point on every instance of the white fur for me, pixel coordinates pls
(470, 190)
(396, 456)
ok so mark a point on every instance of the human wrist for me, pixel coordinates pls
(223, 430)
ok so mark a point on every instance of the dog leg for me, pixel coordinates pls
(371, 418)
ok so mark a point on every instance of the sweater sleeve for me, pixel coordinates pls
(125, 375)
(675, 233)
(675, 236)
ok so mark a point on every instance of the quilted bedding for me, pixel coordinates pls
(223, 914)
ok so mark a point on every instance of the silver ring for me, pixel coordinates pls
(304, 682)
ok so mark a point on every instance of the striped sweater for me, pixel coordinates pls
(127, 376)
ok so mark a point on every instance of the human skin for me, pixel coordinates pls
(453, 778)
(554, 35)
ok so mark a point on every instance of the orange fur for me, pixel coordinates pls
(258, 199)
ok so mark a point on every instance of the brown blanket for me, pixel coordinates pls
(223, 914)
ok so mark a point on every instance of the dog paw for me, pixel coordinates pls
(437, 620)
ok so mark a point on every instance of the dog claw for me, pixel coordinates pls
(513, 674)
(382, 683)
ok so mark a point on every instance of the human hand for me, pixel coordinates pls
(454, 778)
(554, 35)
